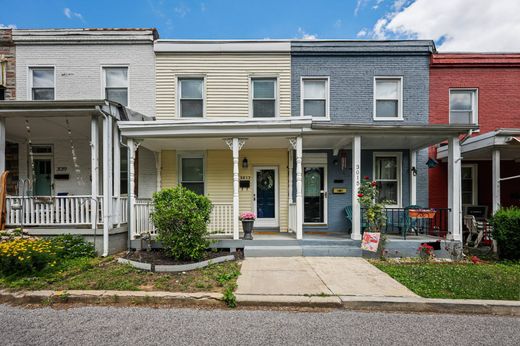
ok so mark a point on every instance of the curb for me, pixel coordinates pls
(174, 268)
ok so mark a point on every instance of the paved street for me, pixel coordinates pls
(145, 326)
(341, 276)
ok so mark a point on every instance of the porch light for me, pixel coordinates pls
(414, 171)
(431, 163)
(245, 163)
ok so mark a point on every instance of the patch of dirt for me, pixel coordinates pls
(159, 257)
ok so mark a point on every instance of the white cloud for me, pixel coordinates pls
(7, 26)
(72, 15)
(182, 10)
(362, 33)
(338, 24)
(377, 4)
(359, 4)
(305, 35)
(460, 25)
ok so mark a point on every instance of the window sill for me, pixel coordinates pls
(388, 119)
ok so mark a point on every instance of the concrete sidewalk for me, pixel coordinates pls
(311, 276)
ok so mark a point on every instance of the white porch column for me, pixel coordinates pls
(454, 189)
(291, 166)
(356, 182)
(117, 174)
(236, 206)
(94, 168)
(496, 179)
(107, 182)
(131, 186)
(299, 197)
(158, 167)
(413, 177)
(2, 145)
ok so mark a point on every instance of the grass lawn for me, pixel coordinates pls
(107, 274)
(500, 281)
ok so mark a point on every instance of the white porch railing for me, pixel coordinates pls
(221, 219)
(292, 217)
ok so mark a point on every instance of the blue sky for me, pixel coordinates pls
(455, 25)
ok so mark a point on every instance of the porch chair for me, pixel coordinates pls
(475, 228)
(348, 215)
(409, 222)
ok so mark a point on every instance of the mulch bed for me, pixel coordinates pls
(158, 256)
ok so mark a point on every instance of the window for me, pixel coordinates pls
(42, 83)
(388, 98)
(2, 94)
(469, 184)
(191, 99)
(463, 106)
(123, 169)
(264, 97)
(387, 174)
(192, 173)
(315, 97)
(116, 84)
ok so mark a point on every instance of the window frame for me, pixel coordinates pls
(399, 158)
(474, 103)
(30, 69)
(399, 99)
(474, 182)
(276, 95)
(327, 96)
(192, 155)
(178, 79)
(104, 81)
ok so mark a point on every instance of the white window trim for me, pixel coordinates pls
(178, 94)
(474, 178)
(30, 80)
(192, 155)
(42, 156)
(474, 103)
(399, 157)
(276, 94)
(104, 80)
(327, 95)
(399, 100)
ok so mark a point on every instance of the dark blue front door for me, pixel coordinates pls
(266, 196)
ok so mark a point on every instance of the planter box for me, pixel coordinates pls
(422, 214)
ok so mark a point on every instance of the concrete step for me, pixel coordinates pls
(298, 250)
(272, 251)
(331, 251)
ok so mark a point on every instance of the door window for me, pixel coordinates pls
(314, 194)
(266, 194)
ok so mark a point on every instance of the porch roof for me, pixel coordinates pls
(481, 147)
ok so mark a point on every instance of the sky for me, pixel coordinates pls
(454, 25)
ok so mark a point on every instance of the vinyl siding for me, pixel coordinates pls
(227, 78)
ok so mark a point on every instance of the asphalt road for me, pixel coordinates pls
(147, 326)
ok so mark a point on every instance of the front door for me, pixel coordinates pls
(266, 196)
(42, 183)
(314, 195)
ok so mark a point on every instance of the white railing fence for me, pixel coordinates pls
(143, 221)
(292, 217)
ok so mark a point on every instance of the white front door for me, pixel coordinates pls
(265, 196)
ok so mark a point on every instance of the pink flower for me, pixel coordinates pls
(247, 215)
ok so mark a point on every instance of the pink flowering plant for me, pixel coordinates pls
(247, 215)
(374, 211)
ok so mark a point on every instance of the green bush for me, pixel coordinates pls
(25, 256)
(69, 246)
(506, 232)
(181, 218)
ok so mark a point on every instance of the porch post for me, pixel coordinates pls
(131, 187)
(291, 166)
(496, 179)
(454, 188)
(299, 198)
(117, 175)
(356, 182)
(2, 145)
(94, 168)
(107, 181)
(158, 165)
(235, 148)
(413, 177)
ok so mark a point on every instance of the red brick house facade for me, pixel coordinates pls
(484, 89)
(7, 65)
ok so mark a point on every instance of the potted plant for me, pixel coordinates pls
(248, 220)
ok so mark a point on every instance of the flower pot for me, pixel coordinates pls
(247, 226)
(422, 214)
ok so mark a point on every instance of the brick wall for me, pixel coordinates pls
(8, 53)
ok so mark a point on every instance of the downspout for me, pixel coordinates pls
(128, 200)
(106, 182)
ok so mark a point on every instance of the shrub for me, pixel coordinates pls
(69, 246)
(506, 232)
(22, 256)
(373, 209)
(181, 218)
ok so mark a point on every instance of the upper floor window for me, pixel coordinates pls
(387, 174)
(42, 83)
(388, 100)
(191, 97)
(463, 106)
(192, 173)
(264, 97)
(315, 97)
(116, 84)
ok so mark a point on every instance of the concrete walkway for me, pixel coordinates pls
(339, 276)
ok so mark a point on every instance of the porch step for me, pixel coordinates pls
(273, 251)
(301, 250)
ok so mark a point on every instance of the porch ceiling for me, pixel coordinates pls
(44, 129)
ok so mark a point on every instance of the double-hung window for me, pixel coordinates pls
(116, 84)
(315, 97)
(469, 184)
(42, 83)
(388, 101)
(463, 106)
(191, 97)
(264, 97)
(192, 173)
(387, 174)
